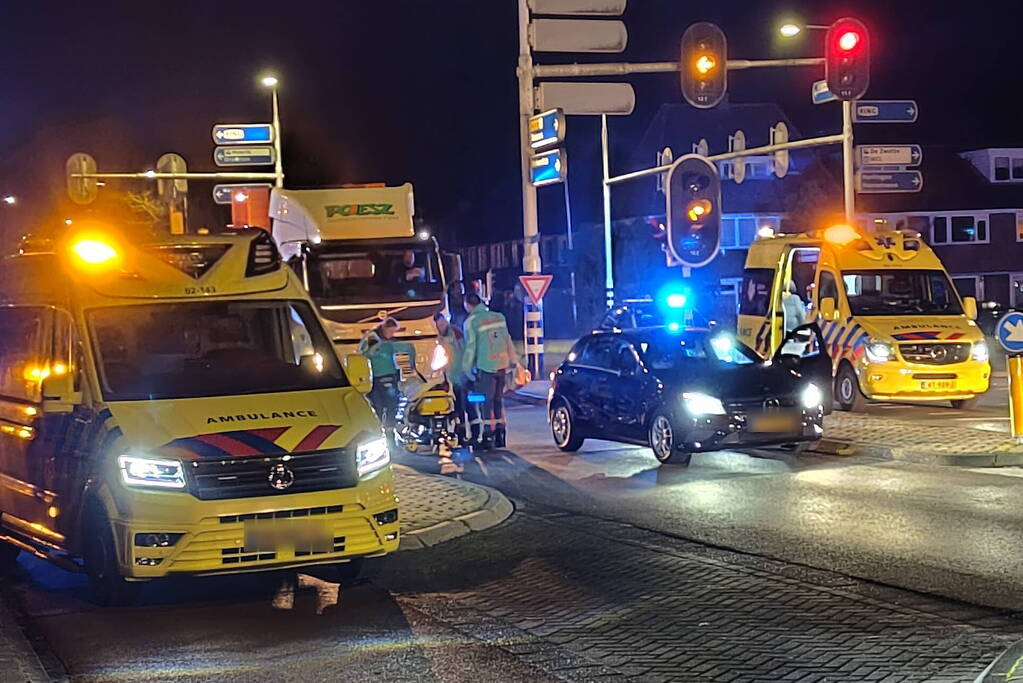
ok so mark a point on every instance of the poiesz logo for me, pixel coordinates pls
(359, 210)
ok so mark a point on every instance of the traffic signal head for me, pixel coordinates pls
(694, 211)
(847, 59)
(704, 65)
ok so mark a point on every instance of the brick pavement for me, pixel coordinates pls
(18, 661)
(591, 599)
(926, 438)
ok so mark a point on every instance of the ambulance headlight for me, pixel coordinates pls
(879, 352)
(139, 470)
(372, 456)
(980, 352)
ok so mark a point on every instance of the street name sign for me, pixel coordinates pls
(243, 133)
(820, 94)
(617, 99)
(244, 156)
(578, 35)
(547, 129)
(885, 111)
(548, 168)
(889, 155)
(223, 194)
(869, 182)
(606, 8)
(536, 286)
(1010, 332)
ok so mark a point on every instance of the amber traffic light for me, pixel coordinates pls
(704, 65)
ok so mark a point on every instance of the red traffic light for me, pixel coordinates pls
(847, 59)
(848, 41)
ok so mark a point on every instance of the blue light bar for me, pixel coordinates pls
(676, 300)
(476, 398)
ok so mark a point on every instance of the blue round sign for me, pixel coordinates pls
(1010, 332)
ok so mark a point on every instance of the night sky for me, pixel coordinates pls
(425, 91)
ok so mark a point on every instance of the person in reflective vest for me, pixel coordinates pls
(489, 353)
(453, 341)
(378, 347)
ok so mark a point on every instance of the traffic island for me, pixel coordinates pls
(435, 509)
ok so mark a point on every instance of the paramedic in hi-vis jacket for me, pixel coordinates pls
(489, 354)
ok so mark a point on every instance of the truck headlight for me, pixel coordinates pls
(879, 352)
(980, 352)
(811, 396)
(137, 470)
(372, 456)
(701, 404)
(440, 358)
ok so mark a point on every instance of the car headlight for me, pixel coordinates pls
(372, 456)
(702, 404)
(137, 470)
(440, 358)
(879, 352)
(812, 396)
(980, 352)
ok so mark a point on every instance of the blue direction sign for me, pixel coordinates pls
(889, 155)
(1010, 332)
(242, 133)
(244, 156)
(223, 194)
(889, 181)
(820, 94)
(549, 167)
(885, 111)
(547, 129)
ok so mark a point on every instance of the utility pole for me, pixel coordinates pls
(848, 179)
(533, 326)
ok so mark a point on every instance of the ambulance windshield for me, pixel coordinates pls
(900, 292)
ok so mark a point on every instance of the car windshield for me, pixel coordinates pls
(900, 292)
(394, 273)
(668, 351)
(224, 348)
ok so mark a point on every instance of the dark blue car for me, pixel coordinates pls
(692, 390)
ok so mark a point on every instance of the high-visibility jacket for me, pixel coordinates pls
(454, 343)
(380, 353)
(488, 346)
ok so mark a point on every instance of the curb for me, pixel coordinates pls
(17, 653)
(495, 510)
(526, 399)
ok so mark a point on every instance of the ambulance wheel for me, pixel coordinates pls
(966, 403)
(847, 390)
(106, 583)
(8, 556)
(563, 428)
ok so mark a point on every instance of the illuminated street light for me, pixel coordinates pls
(791, 30)
(269, 81)
(10, 200)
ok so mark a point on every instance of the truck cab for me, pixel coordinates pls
(893, 323)
(357, 252)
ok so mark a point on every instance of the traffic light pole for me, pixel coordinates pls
(609, 278)
(533, 318)
(848, 179)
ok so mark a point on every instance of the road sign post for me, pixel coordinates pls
(1009, 333)
(889, 155)
(224, 194)
(885, 111)
(547, 129)
(244, 156)
(888, 182)
(536, 286)
(243, 133)
(548, 168)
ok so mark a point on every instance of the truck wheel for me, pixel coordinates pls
(847, 390)
(8, 556)
(105, 580)
(966, 403)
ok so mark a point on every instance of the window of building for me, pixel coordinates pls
(1017, 168)
(739, 230)
(959, 229)
(1001, 168)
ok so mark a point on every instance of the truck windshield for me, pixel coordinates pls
(900, 292)
(201, 349)
(381, 274)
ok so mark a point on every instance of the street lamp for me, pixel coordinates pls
(791, 30)
(10, 200)
(270, 81)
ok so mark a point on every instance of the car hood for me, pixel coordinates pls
(226, 426)
(737, 383)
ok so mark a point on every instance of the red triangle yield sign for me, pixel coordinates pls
(536, 286)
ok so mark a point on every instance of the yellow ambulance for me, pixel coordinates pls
(892, 321)
(176, 407)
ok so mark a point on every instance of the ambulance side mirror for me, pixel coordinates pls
(828, 308)
(59, 395)
(970, 307)
(358, 372)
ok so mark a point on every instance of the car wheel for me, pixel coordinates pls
(847, 390)
(8, 556)
(663, 440)
(564, 430)
(107, 584)
(966, 403)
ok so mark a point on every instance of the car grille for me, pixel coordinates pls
(756, 405)
(245, 477)
(935, 354)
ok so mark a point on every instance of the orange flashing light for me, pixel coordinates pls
(841, 234)
(94, 252)
(697, 210)
(705, 64)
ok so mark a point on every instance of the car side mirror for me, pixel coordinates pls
(828, 308)
(970, 307)
(358, 372)
(59, 395)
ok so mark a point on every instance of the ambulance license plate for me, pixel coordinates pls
(937, 385)
(276, 535)
(773, 423)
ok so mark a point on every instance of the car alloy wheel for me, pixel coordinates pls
(563, 430)
(662, 440)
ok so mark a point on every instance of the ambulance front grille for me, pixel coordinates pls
(246, 477)
(935, 354)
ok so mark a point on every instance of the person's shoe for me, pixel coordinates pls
(500, 438)
(487, 442)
